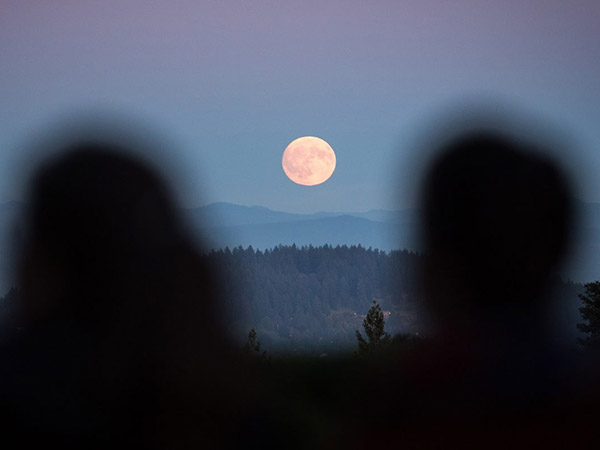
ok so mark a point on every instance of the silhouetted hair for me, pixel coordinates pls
(117, 300)
(106, 220)
(496, 213)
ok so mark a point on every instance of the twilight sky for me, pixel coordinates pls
(230, 83)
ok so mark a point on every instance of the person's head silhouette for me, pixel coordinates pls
(118, 308)
(496, 224)
(101, 227)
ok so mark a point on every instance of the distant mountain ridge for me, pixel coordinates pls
(229, 225)
(223, 224)
(229, 214)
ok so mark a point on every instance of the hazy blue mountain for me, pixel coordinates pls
(338, 230)
(407, 216)
(229, 225)
(227, 215)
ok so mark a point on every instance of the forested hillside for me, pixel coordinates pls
(314, 298)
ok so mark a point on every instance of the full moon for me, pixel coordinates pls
(308, 161)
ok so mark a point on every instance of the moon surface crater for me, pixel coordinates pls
(308, 161)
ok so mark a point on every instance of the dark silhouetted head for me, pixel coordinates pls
(120, 331)
(99, 222)
(496, 225)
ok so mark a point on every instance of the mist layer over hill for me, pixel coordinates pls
(227, 225)
(223, 225)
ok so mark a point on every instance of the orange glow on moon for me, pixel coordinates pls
(308, 161)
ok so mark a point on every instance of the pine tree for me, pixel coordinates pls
(253, 344)
(374, 325)
(590, 312)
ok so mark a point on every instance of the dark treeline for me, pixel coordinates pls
(315, 298)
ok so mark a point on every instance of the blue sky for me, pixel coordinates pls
(231, 83)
